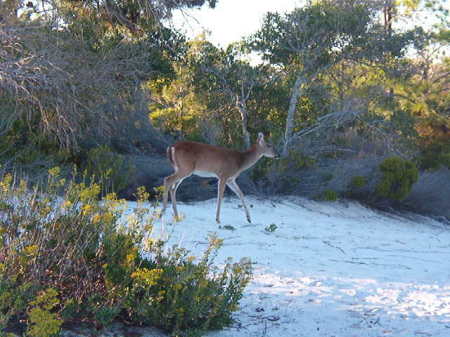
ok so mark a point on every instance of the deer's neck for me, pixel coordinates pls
(250, 157)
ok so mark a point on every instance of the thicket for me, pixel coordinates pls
(70, 257)
(85, 82)
(398, 176)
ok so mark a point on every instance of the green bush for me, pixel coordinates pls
(76, 258)
(328, 195)
(108, 169)
(398, 177)
(358, 182)
(185, 296)
(282, 174)
(435, 156)
(44, 322)
(298, 160)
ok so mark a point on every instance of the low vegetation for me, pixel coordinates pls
(328, 195)
(98, 84)
(74, 258)
(103, 85)
(399, 175)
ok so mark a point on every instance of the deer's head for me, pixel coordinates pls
(266, 149)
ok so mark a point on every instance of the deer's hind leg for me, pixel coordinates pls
(168, 183)
(171, 184)
(173, 193)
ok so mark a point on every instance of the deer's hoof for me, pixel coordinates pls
(249, 220)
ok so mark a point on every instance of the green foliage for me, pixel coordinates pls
(298, 160)
(435, 155)
(228, 227)
(358, 182)
(213, 92)
(271, 228)
(309, 35)
(77, 258)
(286, 170)
(44, 322)
(13, 298)
(108, 169)
(182, 291)
(328, 195)
(295, 161)
(399, 175)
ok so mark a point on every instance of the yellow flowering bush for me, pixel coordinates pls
(67, 255)
(183, 297)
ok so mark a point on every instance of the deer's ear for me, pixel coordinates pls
(260, 138)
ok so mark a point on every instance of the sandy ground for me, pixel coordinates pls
(329, 269)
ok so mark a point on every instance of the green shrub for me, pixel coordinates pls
(282, 174)
(188, 296)
(299, 161)
(398, 177)
(76, 258)
(434, 156)
(328, 195)
(44, 322)
(358, 182)
(107, 168)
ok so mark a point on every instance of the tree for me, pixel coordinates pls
(135, 16)
(219, 88)
(72, 72)
(313, 39)
(237, 79)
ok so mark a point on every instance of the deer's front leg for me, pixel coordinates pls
(235, 188)
(220, 190)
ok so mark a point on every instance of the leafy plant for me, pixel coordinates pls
(107, 168)
(399, 175)
(271, 228)
(78, 258)
(179, 295)
(328, 195)
(44, 322)
(358, 182)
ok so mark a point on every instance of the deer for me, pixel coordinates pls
(204, 160)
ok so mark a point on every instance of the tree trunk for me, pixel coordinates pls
(388, 12)
(291, 112)
(244, 122)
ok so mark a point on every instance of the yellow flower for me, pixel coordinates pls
(148, 277)
(6, 183)
(108, 217)
(96, 218)
(31, 250)
(44, 211)
(55, 171)
(90, 193)
(131, 256)
(87, 209)
(111, 197)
